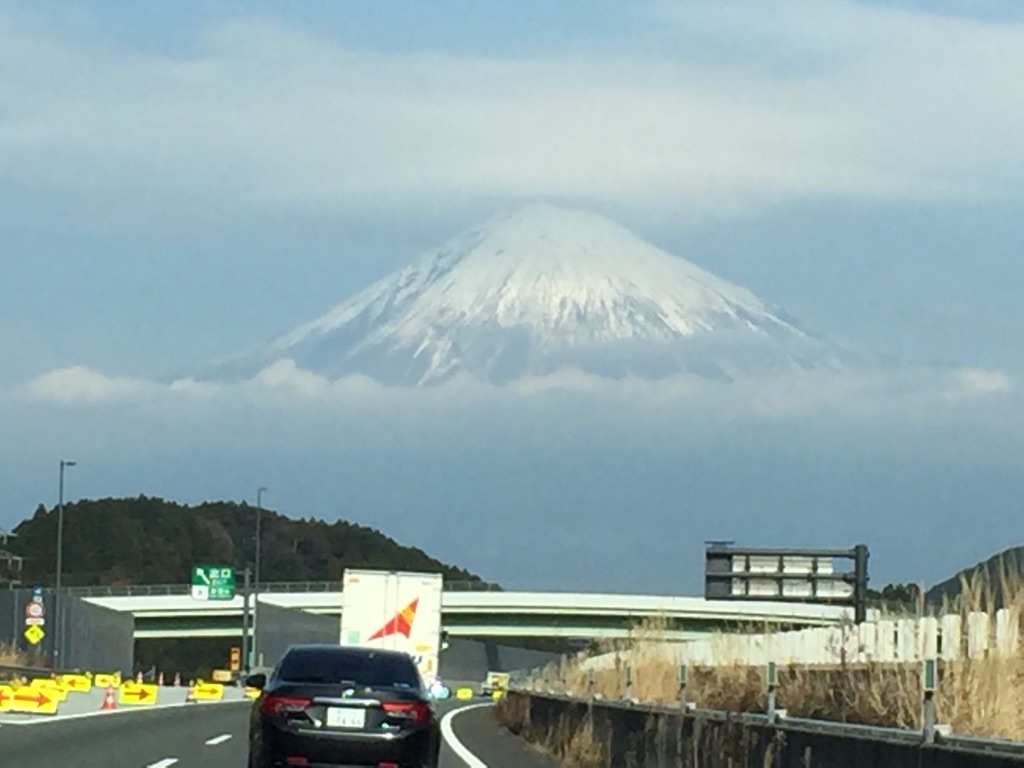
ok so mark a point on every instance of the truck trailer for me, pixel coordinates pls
(394, 610)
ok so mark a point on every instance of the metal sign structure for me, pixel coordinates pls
(213, 582)
(787, 575)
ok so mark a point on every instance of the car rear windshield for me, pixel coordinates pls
(380, 670)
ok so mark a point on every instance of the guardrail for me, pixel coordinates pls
(143, 590)
(598, 733)
(8, 671)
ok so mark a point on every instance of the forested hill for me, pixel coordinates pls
(153, 541)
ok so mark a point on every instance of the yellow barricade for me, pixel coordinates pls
(252, 693)
(6, 698)
(207, 692)
(53, 688)
(33, 701)
(76, 683)
(104, 680)
(137, 694)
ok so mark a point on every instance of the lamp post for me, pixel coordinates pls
(256, 589)
(59, 639)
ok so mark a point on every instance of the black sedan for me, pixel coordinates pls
(328, 705)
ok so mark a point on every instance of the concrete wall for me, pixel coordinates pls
(278, 627)
(79, 634)
(469, 661)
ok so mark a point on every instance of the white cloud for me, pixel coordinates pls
(79, 385)
(283, 388)
(875, 104)
(973, 382)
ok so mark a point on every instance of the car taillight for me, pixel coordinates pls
(413, 711)
(277, 705)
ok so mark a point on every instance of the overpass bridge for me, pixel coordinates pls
(167, 611)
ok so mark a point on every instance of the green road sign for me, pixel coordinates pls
(213, 582)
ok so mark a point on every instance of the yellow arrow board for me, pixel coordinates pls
(6, 698)
(33, 701)
(104, 680)
(208, 692)
(76, 683)
(34, 634)
(137, 694)
(464, 693)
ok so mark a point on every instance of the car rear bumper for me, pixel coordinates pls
(320, 748)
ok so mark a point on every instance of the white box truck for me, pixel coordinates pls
(394, 610)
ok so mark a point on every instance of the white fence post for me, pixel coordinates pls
(979, 627)
(952, 636)
(1007, 632)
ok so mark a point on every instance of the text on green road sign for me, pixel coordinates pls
(213, 582)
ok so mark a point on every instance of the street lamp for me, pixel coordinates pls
(256, 590)
(64, 464)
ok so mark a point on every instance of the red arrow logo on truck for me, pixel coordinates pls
(400, 624)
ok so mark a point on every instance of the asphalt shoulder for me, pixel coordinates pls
(493, 745)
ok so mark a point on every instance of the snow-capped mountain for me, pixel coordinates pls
(537, 291)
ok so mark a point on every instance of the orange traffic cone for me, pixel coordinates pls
(109, 702)
(160, 679)
(191, 695)
(138, 677)
(177, 680)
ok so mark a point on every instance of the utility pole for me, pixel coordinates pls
(58, 640)
(256, 590)
(245, 622)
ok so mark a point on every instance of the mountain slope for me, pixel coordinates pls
(984, 580)
(537, 291)
(152, 541)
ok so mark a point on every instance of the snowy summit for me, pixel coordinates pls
(536, 291)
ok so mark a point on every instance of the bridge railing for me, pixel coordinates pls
(145, 590)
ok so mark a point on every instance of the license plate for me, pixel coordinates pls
(346, 717)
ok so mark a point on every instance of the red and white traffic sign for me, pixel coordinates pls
(34, 613)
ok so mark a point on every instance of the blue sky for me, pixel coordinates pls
(177, 185)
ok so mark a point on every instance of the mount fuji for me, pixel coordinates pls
(538, 291)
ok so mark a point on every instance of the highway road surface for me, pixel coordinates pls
(213, 735)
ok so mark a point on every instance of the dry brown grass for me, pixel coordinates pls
(11, 657)
(573, 745)
(982, 696)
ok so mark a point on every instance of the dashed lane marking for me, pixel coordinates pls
(218, 740)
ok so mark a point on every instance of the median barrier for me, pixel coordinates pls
(596, 734)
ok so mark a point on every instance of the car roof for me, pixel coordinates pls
(344, 650)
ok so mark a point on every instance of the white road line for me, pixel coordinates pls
(109, 712)
(167, 762)
(460, 750)
(218, 740)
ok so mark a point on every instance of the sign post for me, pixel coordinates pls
(246, 624)
(213, 582)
